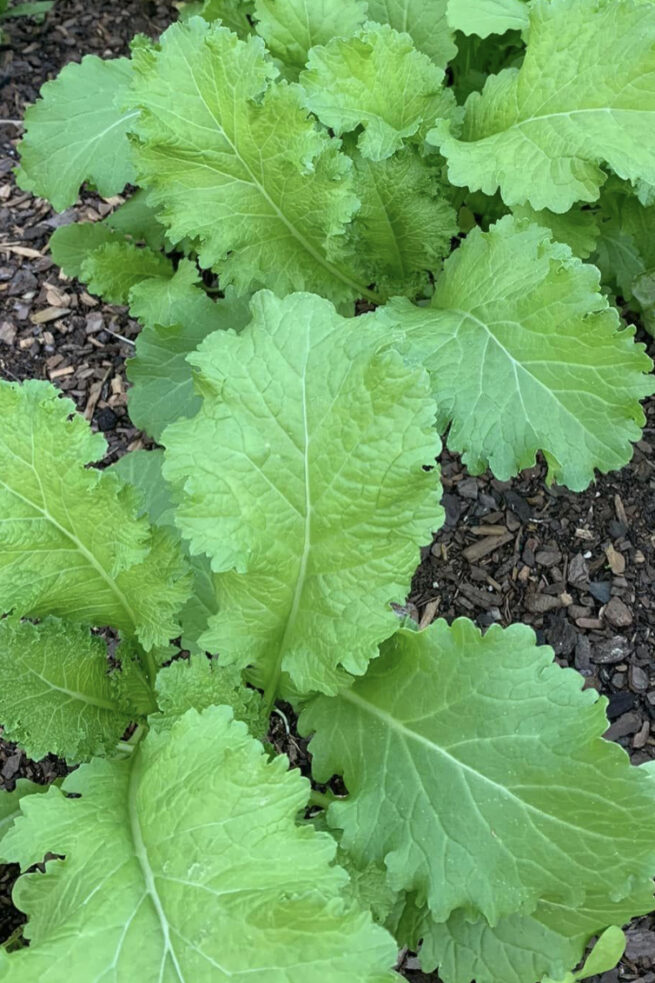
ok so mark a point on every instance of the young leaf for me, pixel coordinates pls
(233, 14)
(584, 95)
(302, 479)
(626, 244)
(472, 765)
(201, 683)
(71, 544)
(403, 227)
(176, 316)
(424, 22)
(113, 269)
(58, 696)
(376, 79)
(72, 244)
(77, 132)
(485, 17)
(578, 228)
(525, 355)
(237, 165)
(291, 27)
(524, 948)
(136, 219)
(218, 882)
(10, 804)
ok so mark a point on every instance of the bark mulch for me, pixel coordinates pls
(578, 568)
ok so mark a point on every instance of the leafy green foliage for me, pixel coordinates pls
(70, 542)
(485, 17)
(291, 27)
(307, 453)
(165, 892)
(10, 803)
(77, 133)
(60, 697)
(548, 350)
(114, 268)
(424, 22)
(524, 817)
(541, 133)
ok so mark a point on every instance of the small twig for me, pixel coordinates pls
(121, 337)
(286, 722)
(11, 122)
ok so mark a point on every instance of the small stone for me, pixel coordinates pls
(540, 603)
(617, 613)
(7, 333)
(578, 571)
(641, 737)
(626, 725)
(582, 659)
(638, 678)
(468, 488)
(611, 651)
(548, 557)
(640, 945)
(620, 703)
(615, 560)
(106, 419)
(651, 697)
(601, 590)
(618, 680)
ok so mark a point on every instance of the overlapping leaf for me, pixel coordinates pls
(233, 14)
(176, 316)
(158, 885)
(376, 79)
(291, 27)
(477, 771)
(59, 697)
(584, 96)
(10, 803)
(236, 164)
(424, 22)
(70, 542)
(77, 132)
(113, 269)
(302, 479)
(578, 227)
(525, 354)
(485, 17)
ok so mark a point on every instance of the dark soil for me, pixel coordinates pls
(578, 568)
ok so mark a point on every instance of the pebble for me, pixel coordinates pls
(639, 679)
(627, 724)
(617, 613)
(611, 650)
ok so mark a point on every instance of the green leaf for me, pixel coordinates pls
(214, 883)
(77, 133)
(143, 470)
(584, 95)
(36, 9)
(403, 228)
(200, 683)
(485, 17)
(58, 696)
(626, 244)
(302, 479)
(71, 245)
(112, 270)
(523, 948)
(578, 228)
(525, 355)
(10, 803)
(236, 164)
(516, 744)
(378, 80)
(71, 544)
(291, 27)
(177, 315)
(424, 22)
(136, 219)
(233, 14)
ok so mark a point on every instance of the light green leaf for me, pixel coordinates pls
(236, 164)
(113, 269)
(10, 803)
(177, 314)
(58, 696)
(485, 17)
(291, 27)
(200, 683)
(212, 884)
(36, 9)
(71, 245)
(524, 948)
(584, 95)
(376, 79)
(403, 228)
(302, 478)
(525, 355)
(626, 244)
(136, 219)
(143, 470)
(578, 228)
(424, 22)
(70, 542)
(472, 765)
(76, 132)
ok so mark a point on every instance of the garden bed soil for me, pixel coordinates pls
(578, 568)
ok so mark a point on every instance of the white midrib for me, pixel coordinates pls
(79, 545)
(80, 697)
(307, 542)
(406, 733)
(141, 854)
(314, 253)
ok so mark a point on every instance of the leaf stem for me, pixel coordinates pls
(320, 799)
